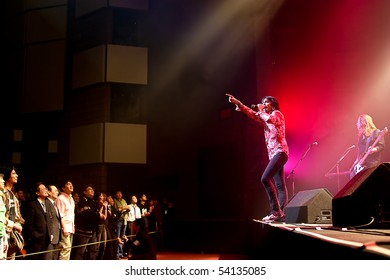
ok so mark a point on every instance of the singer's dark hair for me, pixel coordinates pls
(273, 100)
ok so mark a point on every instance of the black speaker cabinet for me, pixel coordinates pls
(311, 207)
(365, 200)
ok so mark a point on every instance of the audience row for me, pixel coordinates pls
(53, 222)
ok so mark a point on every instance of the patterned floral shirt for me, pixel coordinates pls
(274, 129)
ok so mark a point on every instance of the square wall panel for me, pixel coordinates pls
(89, 67)
(43, 83)
(16, 157)
(86, 144)
(87, 6)
(110, 63)
(109, 143)
(44, 25)
(18, 135)
(127, 64)
(52, 146)
(125, 143)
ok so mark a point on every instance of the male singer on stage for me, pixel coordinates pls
(273, 179)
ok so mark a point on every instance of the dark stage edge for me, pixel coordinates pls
(318, 241)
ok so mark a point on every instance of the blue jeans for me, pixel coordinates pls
(120, 231)
(274, 182)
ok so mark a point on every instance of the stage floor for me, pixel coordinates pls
(370, 241)
(252, 239)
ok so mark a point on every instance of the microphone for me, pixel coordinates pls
(314, 144)
(255, 107)
(353, 146)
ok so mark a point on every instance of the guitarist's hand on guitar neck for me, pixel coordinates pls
(372, 150)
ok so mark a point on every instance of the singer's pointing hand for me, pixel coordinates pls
(232, 99)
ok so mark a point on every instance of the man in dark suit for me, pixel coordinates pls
(54, 224)
(35, 231)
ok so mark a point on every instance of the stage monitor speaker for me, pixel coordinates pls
(311, 207)
(365, 200)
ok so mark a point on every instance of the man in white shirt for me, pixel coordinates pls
(66, 206)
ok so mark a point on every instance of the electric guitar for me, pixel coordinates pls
(359, 166)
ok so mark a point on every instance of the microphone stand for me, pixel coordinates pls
(292, 173)
(337, 165)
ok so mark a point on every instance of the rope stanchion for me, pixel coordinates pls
(24, 255)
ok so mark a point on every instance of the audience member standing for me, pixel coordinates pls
(54, 224)
(15, 219)
(134, 214)
(152, 217)
(22, 198)
(76, 198)
(144, 209)
(168, 211)
(3, 219)
(66, 207)
(103, 225)
(158, 222)
(36, 232)
(112, 219)
(123, 209)
(87, 223)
